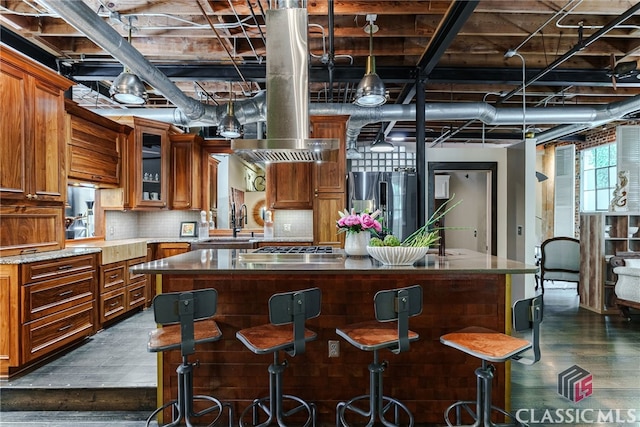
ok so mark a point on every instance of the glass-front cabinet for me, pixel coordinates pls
(150, 170)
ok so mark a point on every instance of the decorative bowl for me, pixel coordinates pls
(397, 255)
(632, 231)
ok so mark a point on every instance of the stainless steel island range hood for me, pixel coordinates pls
(287, 96)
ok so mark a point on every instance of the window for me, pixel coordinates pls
(598, 177)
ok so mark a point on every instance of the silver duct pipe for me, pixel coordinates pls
(194, 113)
(85, 20)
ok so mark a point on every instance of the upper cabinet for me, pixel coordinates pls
(94, 147)
(145, 168)
(289, 186)
(150, 170)
(186, 172)
(330, 177)
(32, 134)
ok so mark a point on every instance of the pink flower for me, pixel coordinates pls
(354, 223)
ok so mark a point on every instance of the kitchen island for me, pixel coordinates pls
(460, 289)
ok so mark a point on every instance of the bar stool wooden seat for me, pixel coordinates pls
(186, 321)
(287, 332)
(492, 346)
(390, 330)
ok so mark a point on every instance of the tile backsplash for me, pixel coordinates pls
(166, 224)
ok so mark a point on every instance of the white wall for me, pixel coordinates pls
(515, 201)
(470, 154)
(470, 188)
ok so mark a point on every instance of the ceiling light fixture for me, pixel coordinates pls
(380, 145)
(127, 88)
(371, 91)
(229, 126)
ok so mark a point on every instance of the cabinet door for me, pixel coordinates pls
(48, 171)
(325, 215)
(330, 176)
(289, 186)
(29, 229)
(13, 138)
(186, 189)
(94, 154)
(151, 164)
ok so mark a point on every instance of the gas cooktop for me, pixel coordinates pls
(292, 254)
(295, 250)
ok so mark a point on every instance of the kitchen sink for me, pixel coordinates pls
(244, 242)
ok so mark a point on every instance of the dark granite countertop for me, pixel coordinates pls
(206, 261)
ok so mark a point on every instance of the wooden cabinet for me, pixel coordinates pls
(186, 172)
(145, 165)
(94, 147)
(32, 156)
(32, 138)
(29, 229)
(289, 186)
(329, 182)
(46, 306)
(603, 235)
(120, 290)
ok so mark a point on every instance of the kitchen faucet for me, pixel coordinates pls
(236, 223)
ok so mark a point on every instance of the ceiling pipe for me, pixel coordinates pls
(192, 112)
(85, 20)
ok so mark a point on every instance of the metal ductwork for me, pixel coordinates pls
(85, 20)
(287, 95)
(287, 130)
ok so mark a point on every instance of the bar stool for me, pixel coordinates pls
(491, 346)
(284, 309)
(186, 321)
(393, 308)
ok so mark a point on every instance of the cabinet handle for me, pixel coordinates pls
(64, 328)
(35, 196)
(64, 294)
(29, 196)
(137, 295)
(113, 304)
(96, 176)
(113, 276)
(29, 251)
(65, 267)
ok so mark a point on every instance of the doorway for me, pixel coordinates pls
(475, 183)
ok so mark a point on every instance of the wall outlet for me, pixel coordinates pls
(334, 348)
(287, 227)
(112, 230)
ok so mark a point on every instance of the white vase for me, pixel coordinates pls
(355, 244)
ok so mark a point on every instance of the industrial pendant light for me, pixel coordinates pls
(380, 145)
(371, 91)
(127, 88)
(229, 126)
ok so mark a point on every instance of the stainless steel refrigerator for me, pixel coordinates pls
(394, 193)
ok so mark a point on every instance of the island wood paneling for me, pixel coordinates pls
(427, 378)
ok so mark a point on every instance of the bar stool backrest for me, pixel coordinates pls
(527, 316)
(399, 304)
(295, 307)
(185, 308)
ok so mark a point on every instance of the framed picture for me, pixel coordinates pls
(188, 229)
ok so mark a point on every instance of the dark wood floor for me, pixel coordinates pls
(608, 347)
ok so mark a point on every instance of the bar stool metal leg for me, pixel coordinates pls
(484, 408)
(379, 404)
(273, 405)
(182, 406)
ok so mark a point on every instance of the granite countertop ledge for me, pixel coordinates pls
(49, 255)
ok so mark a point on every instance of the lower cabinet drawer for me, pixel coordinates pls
(137, 294)
(51, 296)
(112, 304)
(45, 335)
(113, 276)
